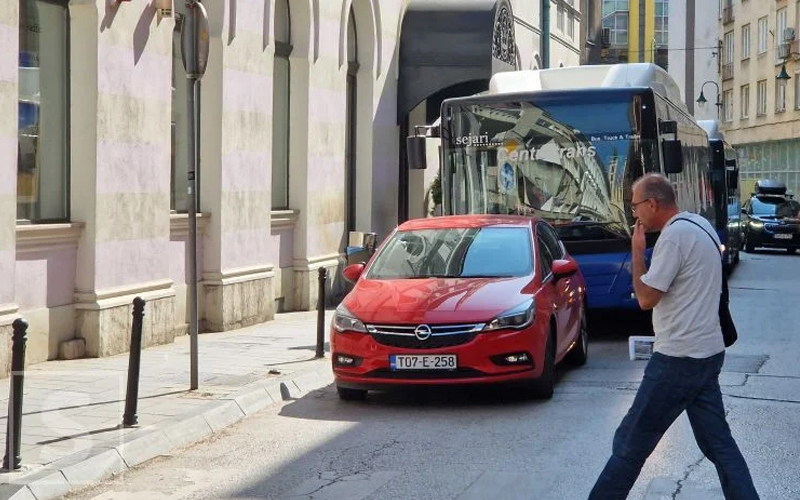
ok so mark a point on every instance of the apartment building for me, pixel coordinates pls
(634, 31)
(760, 76)
(694, 55)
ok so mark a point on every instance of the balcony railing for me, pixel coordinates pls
(727, 71)
(727, 14)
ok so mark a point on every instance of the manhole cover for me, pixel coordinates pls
(744, 363)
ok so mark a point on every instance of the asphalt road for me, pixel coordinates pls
(468, 444)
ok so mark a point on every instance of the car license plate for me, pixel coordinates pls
(783, 236)
(423, 361)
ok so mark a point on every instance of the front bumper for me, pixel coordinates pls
(474, 360)
(773, 238)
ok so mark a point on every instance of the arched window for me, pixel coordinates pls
(281, 77)
(43, 132)
(352, 123)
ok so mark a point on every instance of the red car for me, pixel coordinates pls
(461, 300)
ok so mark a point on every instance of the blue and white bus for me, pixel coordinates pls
(566, 145)
(725, 182)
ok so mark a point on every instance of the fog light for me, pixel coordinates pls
(346, 360)
(515, 358)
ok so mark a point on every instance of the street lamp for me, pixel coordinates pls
(783, 74)
(701, 101)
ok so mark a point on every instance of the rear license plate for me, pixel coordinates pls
(783, 236)
(423, 361)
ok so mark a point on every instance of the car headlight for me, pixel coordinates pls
(756, 224)
(515, 318)
(345, 321)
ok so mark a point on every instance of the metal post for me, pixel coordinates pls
(545, 45)
(129, 418)
(321, 279)
(12, 459)
(195, 47)
(194, 146)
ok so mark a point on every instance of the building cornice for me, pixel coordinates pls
(39, 237)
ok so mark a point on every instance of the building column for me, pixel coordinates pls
(120, 157)
(9, 94)
(235, 169)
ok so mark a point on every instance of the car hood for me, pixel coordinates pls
(436, 300)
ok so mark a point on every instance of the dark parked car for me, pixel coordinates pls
(771, 218)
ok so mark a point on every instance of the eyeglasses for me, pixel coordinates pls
(634, 205)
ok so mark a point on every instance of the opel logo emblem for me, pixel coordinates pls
(422, 332)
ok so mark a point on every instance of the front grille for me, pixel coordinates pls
(781, 228)
(404, 336)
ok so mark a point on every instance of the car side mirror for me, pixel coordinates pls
(352, 272)
(563, 268)
(672, 151)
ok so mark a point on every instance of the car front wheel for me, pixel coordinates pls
(542, 387)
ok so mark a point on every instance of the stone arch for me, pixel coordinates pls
(302, 26)
(368, 35)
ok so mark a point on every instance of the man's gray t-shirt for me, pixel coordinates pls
(686, 268)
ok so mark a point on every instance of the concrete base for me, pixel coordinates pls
(6, 331)
(72, 349)
(107, 330)
(306, 278)
(238, 301)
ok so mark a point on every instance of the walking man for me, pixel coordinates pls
(683, 288)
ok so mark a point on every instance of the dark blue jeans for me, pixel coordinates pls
(670, 386)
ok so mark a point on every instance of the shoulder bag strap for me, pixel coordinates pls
(724, 279)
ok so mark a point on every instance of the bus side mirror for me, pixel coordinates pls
(416, 152)
(673, 156)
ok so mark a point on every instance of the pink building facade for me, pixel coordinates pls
(300, 144)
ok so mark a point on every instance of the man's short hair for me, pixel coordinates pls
(657, 187)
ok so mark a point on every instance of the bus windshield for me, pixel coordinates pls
(569, 161)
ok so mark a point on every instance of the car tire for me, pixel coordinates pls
(542, 387)
(748, 245)
(347, 394)
(579, 353)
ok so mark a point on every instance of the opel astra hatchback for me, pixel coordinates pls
(461, 300)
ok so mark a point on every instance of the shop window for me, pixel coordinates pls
(43, 131)
(281, 78)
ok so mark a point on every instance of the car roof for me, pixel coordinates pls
(465, 221)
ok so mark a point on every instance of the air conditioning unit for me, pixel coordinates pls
(606, 37)
(788, 34)
(783, 50)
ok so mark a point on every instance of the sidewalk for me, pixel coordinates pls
(72, 410)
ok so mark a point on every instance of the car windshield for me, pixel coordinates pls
(487, 252)
(774, 207)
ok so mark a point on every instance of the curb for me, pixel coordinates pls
(89, 467)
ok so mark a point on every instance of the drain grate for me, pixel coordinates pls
(744, 363)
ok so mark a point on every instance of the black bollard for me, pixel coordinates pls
(134, 362)
(14, 427)
(322, 278)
